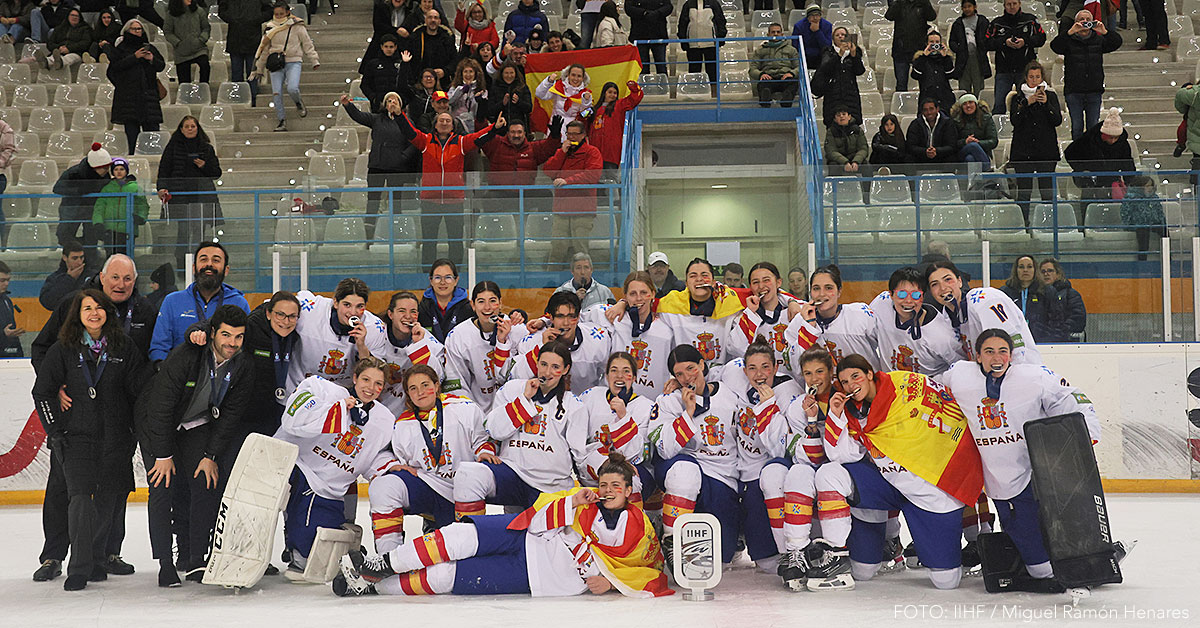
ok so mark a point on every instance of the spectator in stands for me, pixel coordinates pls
(474, 22)
(524, 19)
(606, 125)
(187, 30)
(1083, 47)
(444, 304)
(968, 42)
(509, 52)
(933, 68)
(1102, 148)
(660, 271)
(701, 19)
(421, 102)
(589, 290)
(836, 79)
(568, 92)
(109, 215)
(939, 251)
(388, 17)
(535, 41)
(189, 164)
(440, 104)
(647, 22)
(608, 31)
(514, 160)
(67, 43)
(510, 96)
(128, 9)
(197, 302)
(932, 138)
(1015, 36)
(70, 276)
(46, 16)
(555, 42)
(88, 176)
(468, 94)
(415, 19)
(105, 30)
(14, 20)
(285, 34)
(912, 18)
(798, 283)
(1124, 12)
(976, 130)
(815, 35)
(162, 283)
(244, 19)
(1143, 210)
(577, 163)
(1187, 102)
(1157, 33)
(1070, 302)
(483, 55)
(732, 275)
(1038, 301)
(888, 149)
(8, 148)
(10, 342)
(845, 144)
(774, 68)
(387, 73)
(1035, 114)
(393, 156)
(433, 47)
(443, 152)
(133, 67)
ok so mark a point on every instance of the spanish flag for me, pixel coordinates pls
(619, 64)
(728, 302)
(918, 424)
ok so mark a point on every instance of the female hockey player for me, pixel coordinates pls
(978, 309)
(701, 315)
(530, 418)
(912, 335)
(588, 345)
(694, 434)
(768, 312)
(408, 344)
(617, 419)
(478, 350)
(578, 540)
(841, 329)
(434, 433)
(333, 333)
(1003, 396)
(642, 334)
(341, 435)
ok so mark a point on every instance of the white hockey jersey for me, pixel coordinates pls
(589, 351)
(333, 450)
(605, 433)
(535, 436)
(399, 359)
(459, 427)
(754, 417)
(323, 352)
(771, 325)
(932, 354)
(649, 348)
(804, 440)
(708, 436)
(853, 330)
(1027, 392)
(709, 334)
(477, 366)
(988, 308)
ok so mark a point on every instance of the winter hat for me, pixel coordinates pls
(965, 98)
(164, 275)
(1112, 124)
(120, 161)
(98, 157)
(814, 7)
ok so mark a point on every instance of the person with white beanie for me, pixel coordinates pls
(88, 176)
(1102, 148)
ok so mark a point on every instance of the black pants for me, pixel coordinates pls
(55, 526)
(92, 501)
(660, 57)
(377, 178)
(786, 90)
(185, 69)
(188, 508)
(133, 128)
(708, 56)
(115, 241)
(1155, 14)
(145, 8)
(1025, 184)
(190, 219)
(432, 215)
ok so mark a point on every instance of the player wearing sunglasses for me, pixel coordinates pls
(912, 335)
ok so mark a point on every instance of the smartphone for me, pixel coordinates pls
(854, 38)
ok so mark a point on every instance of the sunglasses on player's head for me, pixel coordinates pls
(904, 294)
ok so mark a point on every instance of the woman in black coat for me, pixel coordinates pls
(648, 21)
(105, 31)
(101, 372)
(887, 147)
(393, 156)
(1035, 113)
(1038, 301)
(1074, 311)
(509, 95)
(836, 78)
(133, 67)
(189, 164)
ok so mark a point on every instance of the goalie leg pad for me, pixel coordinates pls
(306, 512)
(328, 548)
(1019, 517)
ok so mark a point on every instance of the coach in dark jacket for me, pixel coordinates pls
(133, 70)
(975, 51)
(647, 21)
(1083, 51)
(393, 155)
(445, 304)
(1038, 301)
(1015, 36)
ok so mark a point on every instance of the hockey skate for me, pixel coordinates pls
(349, 582)
(830, 568)
(893, 556)
(793, 568)
(910, 556)
(971, 564)
(668, 552)
(372, 568)
(1121, 550)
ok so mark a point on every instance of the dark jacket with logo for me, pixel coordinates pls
(140, 328)
(1042, 311)
(1022, 26)
(438, 322)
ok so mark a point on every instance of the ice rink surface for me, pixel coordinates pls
(1162, 587)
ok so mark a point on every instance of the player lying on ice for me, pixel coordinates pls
(569, 542)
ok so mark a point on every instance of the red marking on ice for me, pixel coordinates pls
(25, 450)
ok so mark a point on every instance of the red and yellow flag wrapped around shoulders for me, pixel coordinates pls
(619, 64)
(729, 301)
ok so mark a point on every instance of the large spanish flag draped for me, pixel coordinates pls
(919, 425)
(619, 64)
(728, 302)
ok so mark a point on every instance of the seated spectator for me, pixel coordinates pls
(14, 20)
(568, 92)
(606, 125)
(509, 95)
(1035, 114)
(888, 149)
(701, 19)
(932, 138)
(968, 42)
(45, 17)
(836, 79)
(933, 68)
(524, 19)
(75, 209)
(660, 271)
(189, 164)
(774, 68)
(421, 102)
(388, 72)
(1038, 301)
(1083, 47)
(433, 47)
(70, 276)
(733, 275)
(589, 291)
(441, 104)
(1074, 312)
(10, 342)
(1143, 210)
(577, 163)
(186, 29)
(609, 31)
(109, 214)
(107, 29)
(845, 144)
(976, 130)
(67, 43)
(555, 42)
(162, 283)
(798, 283)
(392, 159)
(815, 33)
(474, 22)
(468, 94)
(1102, 148)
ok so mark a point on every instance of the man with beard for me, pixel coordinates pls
(197, 302)
(116, 280)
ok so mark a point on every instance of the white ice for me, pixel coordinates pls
(1162, 580)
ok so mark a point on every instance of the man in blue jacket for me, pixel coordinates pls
(815, 32)
(196, 303)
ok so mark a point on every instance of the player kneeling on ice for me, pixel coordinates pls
(341, 435)
(569, 542)
(430, 438)
(617, 419)
(902, 443)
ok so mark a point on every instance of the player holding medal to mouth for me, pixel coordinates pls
(478, 349)
(843, 329)
(408, 344)
(972, 311)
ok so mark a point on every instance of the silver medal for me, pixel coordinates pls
(91, 392)
(279, 393)
(216, 412)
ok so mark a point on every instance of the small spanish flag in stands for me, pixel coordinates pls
(619, 64)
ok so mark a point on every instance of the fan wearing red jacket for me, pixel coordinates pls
(577, 163)
(606, 125)
(476, 26)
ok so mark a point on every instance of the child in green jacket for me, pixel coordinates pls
(109, 212)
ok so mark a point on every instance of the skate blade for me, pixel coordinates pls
(840, 582)
(798, 584)
(295, 577)
(354, 582)
(894, 566)
(975, 571)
